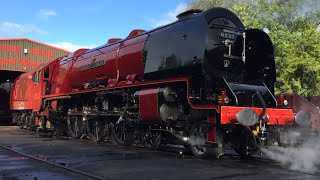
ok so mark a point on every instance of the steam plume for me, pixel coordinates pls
(304, 156)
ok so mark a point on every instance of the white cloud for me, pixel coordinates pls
(170, 16)
(46, 13)
(72, 47)
(11, 28)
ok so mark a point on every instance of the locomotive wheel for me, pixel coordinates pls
(28, 122)
(23, 120)
(198, 136)
(75, 127)
(32, 122)
(19, 120)
(42, 124)
(97, 130)
(245, 143)
(152, 140)
(123, 133)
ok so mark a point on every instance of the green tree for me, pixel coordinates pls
(294, 29)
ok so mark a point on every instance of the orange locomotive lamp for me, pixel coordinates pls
(202, 81)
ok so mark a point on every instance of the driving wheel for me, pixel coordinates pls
(123, 133)
(197, 139)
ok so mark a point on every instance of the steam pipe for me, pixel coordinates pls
(264, 106)
(244, 47)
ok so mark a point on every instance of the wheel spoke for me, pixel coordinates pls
(124, 132)
(97, 129)
(121, 133)
(76, 127)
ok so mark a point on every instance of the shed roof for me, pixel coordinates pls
(27, 39)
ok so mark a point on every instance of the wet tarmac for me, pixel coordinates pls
(119, 162)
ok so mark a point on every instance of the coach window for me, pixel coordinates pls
(46, 73)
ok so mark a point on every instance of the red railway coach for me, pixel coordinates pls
(202, 81)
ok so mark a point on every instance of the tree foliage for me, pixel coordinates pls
(293, 26)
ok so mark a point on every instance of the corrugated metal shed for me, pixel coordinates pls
(22, 54)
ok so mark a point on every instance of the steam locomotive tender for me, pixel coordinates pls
(202, 81)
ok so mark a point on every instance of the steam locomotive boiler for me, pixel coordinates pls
(203, 81)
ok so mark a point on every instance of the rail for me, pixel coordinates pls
(53, 164)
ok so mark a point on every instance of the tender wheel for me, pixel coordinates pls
(75, 127)
(152, 140)
(97, 130)
(198, 136)
(123, 133)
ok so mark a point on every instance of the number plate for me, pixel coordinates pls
(227, 35)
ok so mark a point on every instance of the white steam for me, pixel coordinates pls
(197, 141)
(193, 141)
(304, 156)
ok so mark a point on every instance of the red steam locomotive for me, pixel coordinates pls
(202, 81)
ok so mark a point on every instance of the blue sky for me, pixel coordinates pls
(72, 24)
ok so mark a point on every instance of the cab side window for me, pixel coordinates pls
(36, 77)
(46, 73)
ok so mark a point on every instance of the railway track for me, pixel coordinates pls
(87, 175)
